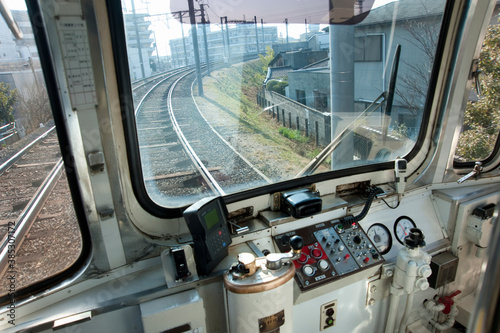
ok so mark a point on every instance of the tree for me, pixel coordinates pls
(413, 85)
(277, 86)
(8, 98)
(266, 59)
(34, 107)
(482, 118)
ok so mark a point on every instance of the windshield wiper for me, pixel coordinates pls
(386, 98)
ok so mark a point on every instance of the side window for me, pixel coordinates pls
(481, 124)
(35, 246)
(369, 48)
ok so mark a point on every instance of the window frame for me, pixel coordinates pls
(124, 87)
(49, 74)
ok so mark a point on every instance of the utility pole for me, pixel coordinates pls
(223, 38)
(181, 14)
(228, 42)
(286, 25)
(256, 34)
(306, 28)
(196, 50)
(263, 36)
(138, 39)
(341, 88)
(156, 48)
(204, 25)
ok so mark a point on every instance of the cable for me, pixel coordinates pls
(392, 207)
(349, 220)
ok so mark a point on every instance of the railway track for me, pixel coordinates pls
(32, 185)
(181, 148)
(141, 87)
(36, 215)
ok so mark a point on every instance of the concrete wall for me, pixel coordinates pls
(21, 79)
(292, 114)
(310, 81)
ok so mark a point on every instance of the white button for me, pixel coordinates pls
(323, 265)
(308, 270)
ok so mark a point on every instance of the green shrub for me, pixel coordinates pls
(293, 135)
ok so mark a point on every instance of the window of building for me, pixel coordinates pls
(368, 48)
(301, 96)
(320, 101)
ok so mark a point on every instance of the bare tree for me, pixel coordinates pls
(413, 85)
(34, 107)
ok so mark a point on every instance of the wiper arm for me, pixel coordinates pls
(392, 89)
(320, 158)
(387, 98)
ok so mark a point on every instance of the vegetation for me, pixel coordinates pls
(266, 59)
(400, 130)
(412, 86)
(293, 135)
(8, 97)
(34, 107)
(482, 118)
(231, 107)
(277, 86)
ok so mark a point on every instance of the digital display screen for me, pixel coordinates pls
(211, 218)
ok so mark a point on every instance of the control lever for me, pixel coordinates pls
(276, 260)
(248, 264)
(478, 167)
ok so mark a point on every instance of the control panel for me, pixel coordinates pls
(331, 250)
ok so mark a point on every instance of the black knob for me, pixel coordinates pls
(296, 242)
(415, 238)
(357, 239)
(285, 240)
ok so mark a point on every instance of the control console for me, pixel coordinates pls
(331, 250)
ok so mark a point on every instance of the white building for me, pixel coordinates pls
(242, 44)
(139, 45)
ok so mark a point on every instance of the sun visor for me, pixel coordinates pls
(277, 11)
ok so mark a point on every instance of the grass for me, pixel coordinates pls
(230, 102)
(293, 135)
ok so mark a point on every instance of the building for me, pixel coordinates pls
(19, 60)
(373, 55)
(242, 44)
(139, 45)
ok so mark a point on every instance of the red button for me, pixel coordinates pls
(220, 232)
(316, 253)
(303, 258)
(366, 260)
(347, 256)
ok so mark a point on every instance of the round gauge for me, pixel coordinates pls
(381, 237)
(402, 228)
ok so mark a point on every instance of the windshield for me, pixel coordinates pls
(233, 95)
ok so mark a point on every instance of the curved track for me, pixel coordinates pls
(179, 148)
(34, 228)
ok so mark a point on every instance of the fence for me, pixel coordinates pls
(292, 114)
(8, 134)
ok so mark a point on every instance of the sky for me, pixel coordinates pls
(16, 4)
(276, 10)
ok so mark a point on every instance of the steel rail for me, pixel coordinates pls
(15, 236)
(6, 165)
(150, 91)
(142, 82)
(226, 142)
(205, 173)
